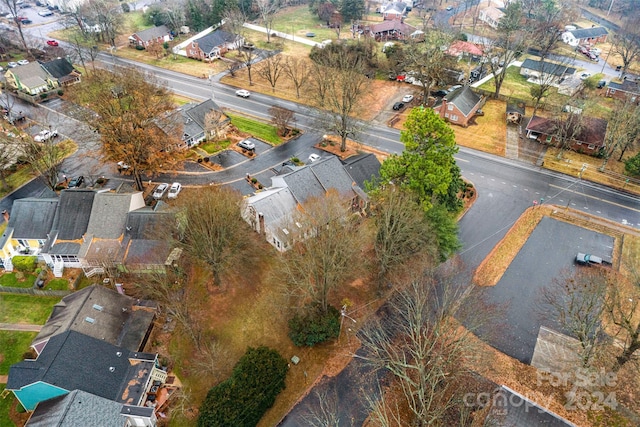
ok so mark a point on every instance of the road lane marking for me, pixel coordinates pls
(594, 197)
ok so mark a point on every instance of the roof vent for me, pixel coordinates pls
(89, 320)
(118, 353)
(97, 307)
(112, 369)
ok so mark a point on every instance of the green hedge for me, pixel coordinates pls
(243, 399)
(314, 326)
(26, 264)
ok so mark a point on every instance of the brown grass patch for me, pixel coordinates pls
(571, 163)
(486, 133)
(490, 271)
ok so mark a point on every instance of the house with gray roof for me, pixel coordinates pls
(196, 121)
(213, 45)
(63, 71)
(79, 408)
(459, 106)
(145, 38)
(31, 78)
(28, 228)
(583, 36)
(116, 318)
(271, 211)
(393, 10)
(74, 361)
(627, 89)
(363, 168)
(545, 71)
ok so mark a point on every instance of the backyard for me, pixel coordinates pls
(25, 308)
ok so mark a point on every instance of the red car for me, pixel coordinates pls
(52, 43)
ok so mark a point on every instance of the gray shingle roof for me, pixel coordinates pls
(153, 33)
(193, 117)
(629, 86)
(363, 167)
(214, 39)
(64, 248)
(73, 361)
(32, 218)
(147, 223)
(587, 33)
(464, 99)
(77, 408)
(117, 318)
(316, 179)
(109, 215)
(31, 74)
(547, 67)
(58, 68)
(276, 204)
(74, 211)
(142, 251)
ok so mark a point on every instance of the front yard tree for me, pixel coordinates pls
(626, 42)
(267, 10)
(427, 60)
(246, 56)
(323, 254)
(13, 6)
(426, 166)
(271, 69)
(282, 118)
(623, 129)
(132, 119)
(10, 150)
(403, 236)
(509, 42)
(45, 159)
(351, 10)
(338, 86)
(211, 229)
(298, 70)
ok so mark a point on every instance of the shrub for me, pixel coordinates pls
(138, 47)
(101, 180)
(206, 160)
(43, 96)
(13, 168)
(314, 326)
(60, 92)
(22, 160)
(60, 187)
(125, 7)
(25, 264)
(200, 160)
(260, 186)
(254, 180)
(242, 400)
(295, 160)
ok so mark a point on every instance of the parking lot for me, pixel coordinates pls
(551, 248)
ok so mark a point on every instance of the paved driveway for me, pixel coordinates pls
(551, 248)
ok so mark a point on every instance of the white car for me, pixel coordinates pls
(12, 64)
(175, 189)
(160, 190)
(122, 165)
(45, 135)
(313, 158)
(243, 93)
(23, 62)
(45, 13)
(585, 76)
(407, 98)
(247, 145)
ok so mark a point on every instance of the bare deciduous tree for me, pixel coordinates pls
(214, 124)
(323, 249)
(576, 301)
(424, 349)
(45, 159)
(246, 57)
(271, 69)
(14, 9)
(282, 118)
(403, 236)
(626, 42)
(267, 10)
(10, 150)
(623, 129)
(212, 230)
(324, 412)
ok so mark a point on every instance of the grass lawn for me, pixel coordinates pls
(57, 285)
(10, 280)
(298, 20)
(488, 133)
(5, 404)
(514, 85)
(260, 130)
(13, 345)
(28, 309)
(214, 147)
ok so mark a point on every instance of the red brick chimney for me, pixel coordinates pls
(5, 215)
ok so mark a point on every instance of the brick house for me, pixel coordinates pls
(627, 89)
(591, 35)
(213, 45)
(589, 139)
(150, 36)
(491, 16)
(459, 106)
(393, 11)
(390, 30)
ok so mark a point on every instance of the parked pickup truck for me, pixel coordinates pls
(588, 259)
(45, 135)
